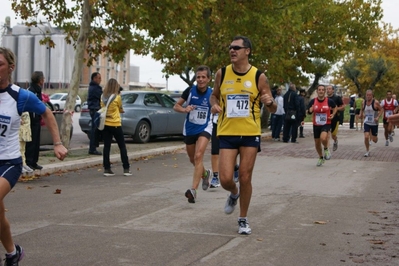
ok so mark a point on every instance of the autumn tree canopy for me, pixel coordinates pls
(375, 67)
(288, 35)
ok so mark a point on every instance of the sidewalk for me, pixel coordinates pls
(79, 159)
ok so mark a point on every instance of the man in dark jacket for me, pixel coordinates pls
(93, 103)
(32, 148)
(291, 107)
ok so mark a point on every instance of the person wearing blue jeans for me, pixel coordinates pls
(278, 116)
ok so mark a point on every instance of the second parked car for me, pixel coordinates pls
(147, 114)
(58, 101)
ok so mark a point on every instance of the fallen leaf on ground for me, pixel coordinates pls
(57, 191)
(320, 222)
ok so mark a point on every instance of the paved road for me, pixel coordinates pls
(343, 213)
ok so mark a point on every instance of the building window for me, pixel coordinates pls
(108, 73)
(98, 69)
(124, 77)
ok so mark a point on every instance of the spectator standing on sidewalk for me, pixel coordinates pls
(352, 112)
(33, 147)
(15, 101)
(323, 110)
(335, 121)
(390, 107)
(278, 116)
(93, 104)
(24, 137)
(239, 90)
(291, 108)
(113, 127)
(371, 113)
(197, 128)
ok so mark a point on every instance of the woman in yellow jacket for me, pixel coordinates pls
(113, 127)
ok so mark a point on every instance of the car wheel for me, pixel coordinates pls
(143, 132)
(78, 108)
(56, 107)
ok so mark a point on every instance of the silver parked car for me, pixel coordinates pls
(147, 115)
(58, 101)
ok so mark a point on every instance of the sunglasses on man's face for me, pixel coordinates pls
(236, 47)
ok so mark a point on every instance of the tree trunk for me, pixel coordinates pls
(264, 121)
(69, 109)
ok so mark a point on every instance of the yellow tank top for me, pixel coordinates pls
(240, 103)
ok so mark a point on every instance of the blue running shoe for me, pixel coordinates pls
(215, 182)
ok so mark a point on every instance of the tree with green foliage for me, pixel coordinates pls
(288, 35)
(375, 68)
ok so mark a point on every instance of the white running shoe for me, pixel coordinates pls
(386, 143)
(390, 137)
(26, 169)
(243, 227)
(367, 154)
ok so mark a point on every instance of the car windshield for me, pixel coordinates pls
(129, 98)
(56, 96)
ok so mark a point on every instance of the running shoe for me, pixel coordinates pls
(386, 143)
(230, 204)
(108, 172)
(205, 179)
(27, 169)
(215, 182)
(390, 137)
(327, 154)
(367, 154)
(335, 145)
(15, 259)
(126, 172)
(236, 173)
(191, 194)
(320, 162)
(243, 227)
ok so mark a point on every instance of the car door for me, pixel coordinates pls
(175, 119)
(157, 113)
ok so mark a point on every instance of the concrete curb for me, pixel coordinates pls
(93, 161)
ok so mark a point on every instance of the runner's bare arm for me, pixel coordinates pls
(265, 94)
(216, 93)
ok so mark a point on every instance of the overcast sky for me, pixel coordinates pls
(150, 70)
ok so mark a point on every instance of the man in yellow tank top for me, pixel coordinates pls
(238, 93)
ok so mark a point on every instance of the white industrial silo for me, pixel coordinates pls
(57, 61)
(41, 57)
(20, 29)
(11, 42)
(25, 60)
(40, 29)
